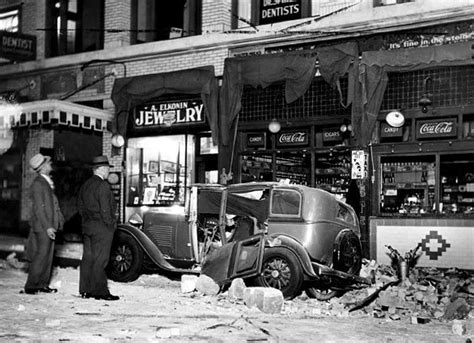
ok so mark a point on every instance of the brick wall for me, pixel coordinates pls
(216, 16)
(117, 17)
(37, 138)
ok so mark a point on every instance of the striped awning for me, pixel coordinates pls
(46, 112)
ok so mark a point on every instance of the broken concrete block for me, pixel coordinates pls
(206, 285)
(166, 332)
(236, 289)
(419, 320)
(458, 309)
(52, 322)
(188, 283)
(459, 327)
(268, 300)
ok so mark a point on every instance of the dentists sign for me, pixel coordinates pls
(273, 11)
(166, 114)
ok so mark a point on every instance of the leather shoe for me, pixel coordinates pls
(107, 297)
(47, 290)
(31, 291)
(40, 290)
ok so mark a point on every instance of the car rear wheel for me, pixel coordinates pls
(126, 258)
(281, 270)
(347, 258)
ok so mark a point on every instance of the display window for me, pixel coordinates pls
(159, 169)
(408, 184)
(457, 183)
(434, 184)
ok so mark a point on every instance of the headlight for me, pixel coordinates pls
(135, 220)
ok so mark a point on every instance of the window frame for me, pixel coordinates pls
(11, 9)
(285, 215)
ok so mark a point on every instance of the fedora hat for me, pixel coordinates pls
(37, 161)
(100, 161)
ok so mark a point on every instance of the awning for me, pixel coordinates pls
(55, 112)
(129, 92)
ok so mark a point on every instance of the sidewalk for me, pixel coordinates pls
(67, 250)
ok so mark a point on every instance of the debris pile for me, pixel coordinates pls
(424, 295)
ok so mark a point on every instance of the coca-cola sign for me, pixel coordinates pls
(437, 128)
(292, 138)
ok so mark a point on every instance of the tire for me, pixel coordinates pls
(281, 270)
(322, 294)
(347, 258)
(348, 253)
(126, 258)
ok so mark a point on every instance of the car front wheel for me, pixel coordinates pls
(126, 258)
(281, 270)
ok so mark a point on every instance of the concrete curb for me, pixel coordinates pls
(68, 250)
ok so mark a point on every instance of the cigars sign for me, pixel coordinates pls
(168, 114)
(436, 128)
(293, 138)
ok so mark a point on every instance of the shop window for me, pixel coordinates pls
(294, 166)
(155, 20)
(10, 20)
(74, 26)
(408, 184)
(457, 183)
(159, 169)
(332, 172)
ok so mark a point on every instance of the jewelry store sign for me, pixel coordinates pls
(168, 114)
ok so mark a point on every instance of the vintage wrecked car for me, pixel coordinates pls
(289, 237)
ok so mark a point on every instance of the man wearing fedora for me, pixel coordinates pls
(46, 220)
(97, 208)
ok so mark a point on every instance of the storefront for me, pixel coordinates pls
(293, 121)
(71, 134)
(169, 121)
(422, 152)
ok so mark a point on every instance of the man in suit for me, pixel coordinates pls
(46, 220)
(97, 208)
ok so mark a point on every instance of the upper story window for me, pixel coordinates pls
(10, 20)
(74, 26)
(157, 20)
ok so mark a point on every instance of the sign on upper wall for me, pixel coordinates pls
(273, 11)
(17, 47)
(169, 113)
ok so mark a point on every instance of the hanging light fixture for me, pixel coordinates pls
(117, 140)
(425, 100)
(274, 126)
(395, 119)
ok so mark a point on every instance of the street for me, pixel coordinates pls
(153, 309)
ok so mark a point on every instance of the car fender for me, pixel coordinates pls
(152, 251)
(293, 245)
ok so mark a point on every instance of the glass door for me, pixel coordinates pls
(159, 169)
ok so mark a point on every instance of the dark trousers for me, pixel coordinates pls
(95, 257)
(39, 271)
